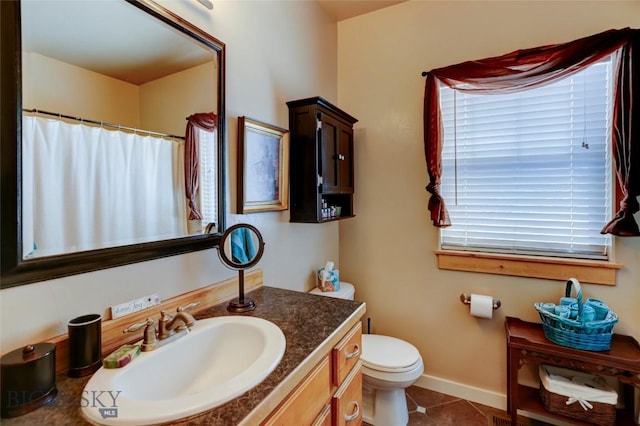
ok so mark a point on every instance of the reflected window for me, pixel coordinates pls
(208, 151)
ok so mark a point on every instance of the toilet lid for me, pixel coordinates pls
(385, 353)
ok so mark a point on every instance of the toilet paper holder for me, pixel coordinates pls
(466, 299)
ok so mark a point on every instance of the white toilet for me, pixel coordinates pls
(389, 366)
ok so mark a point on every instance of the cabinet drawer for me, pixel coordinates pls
(347, 401)
(304, 404)
(324, 418)
(346, 354)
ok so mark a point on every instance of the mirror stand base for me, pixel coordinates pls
(236, 306)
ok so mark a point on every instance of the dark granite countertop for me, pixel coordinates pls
(311, 324)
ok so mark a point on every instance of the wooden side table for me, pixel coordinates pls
(526, 343)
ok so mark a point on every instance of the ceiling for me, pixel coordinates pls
(145, 51)
(112, 38)
(345, 9)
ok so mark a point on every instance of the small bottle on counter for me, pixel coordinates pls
(324, 211)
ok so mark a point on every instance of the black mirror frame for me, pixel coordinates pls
(14, 270)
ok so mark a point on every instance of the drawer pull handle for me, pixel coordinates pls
(355, 353)
(356, 413)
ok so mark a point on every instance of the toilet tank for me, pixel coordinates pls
(347, 291)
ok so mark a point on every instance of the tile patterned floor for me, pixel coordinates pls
(445, 410)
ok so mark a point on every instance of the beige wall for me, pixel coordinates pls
(56, 86)
(161, 105)
(165, 103)
(276, 51)
(387, 251)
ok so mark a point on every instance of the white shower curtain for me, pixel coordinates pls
(88, 187)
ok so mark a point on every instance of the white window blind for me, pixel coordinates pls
(208, 172)
(530, 172)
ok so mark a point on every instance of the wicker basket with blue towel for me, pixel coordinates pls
(590, 327)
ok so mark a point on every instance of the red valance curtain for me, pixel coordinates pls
(525, 69)
(206, 121)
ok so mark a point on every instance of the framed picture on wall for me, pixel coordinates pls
(263, 167)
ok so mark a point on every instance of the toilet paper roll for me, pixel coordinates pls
(481, 306)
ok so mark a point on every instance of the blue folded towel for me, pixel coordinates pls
(601, 308)
(567, 300)
(549, 307)
(562, 311)
(588, 314)
(243, 249)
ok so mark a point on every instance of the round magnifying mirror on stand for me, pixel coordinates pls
(241, 248)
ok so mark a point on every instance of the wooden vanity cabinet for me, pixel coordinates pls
(324, 419)
(346, 403)
(331, 394)
(302, 406)
(346, 354)
(346, 370)
(320, 160)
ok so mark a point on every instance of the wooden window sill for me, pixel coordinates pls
(588, 271)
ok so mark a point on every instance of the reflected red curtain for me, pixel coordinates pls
(206, 121)
(526, 69)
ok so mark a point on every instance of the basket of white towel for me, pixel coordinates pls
(577, 394)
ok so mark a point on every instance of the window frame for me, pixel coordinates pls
(552, 268)
(556, 267)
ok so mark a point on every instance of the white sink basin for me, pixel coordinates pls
(220, 359)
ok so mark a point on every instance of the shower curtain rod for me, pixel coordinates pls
(101, 123)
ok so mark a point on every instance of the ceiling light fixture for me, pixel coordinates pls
(206, 3)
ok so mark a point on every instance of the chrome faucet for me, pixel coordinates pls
(169, 327)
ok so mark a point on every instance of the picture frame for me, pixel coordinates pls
(263, 167)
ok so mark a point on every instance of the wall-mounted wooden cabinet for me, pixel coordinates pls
(321, 161)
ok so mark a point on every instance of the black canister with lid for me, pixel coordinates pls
(28, 378)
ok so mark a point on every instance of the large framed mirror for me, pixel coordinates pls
(99, 165)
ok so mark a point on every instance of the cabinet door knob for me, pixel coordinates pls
(340, 157)
(355, 414)
(355, 353)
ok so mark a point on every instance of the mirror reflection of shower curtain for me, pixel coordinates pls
(88, 187)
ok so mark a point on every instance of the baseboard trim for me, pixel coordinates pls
(459, 390)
